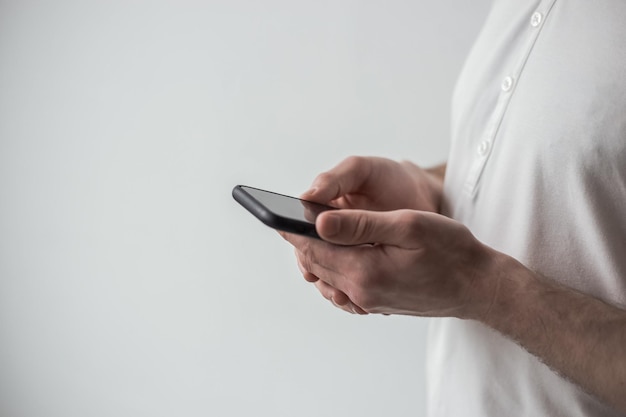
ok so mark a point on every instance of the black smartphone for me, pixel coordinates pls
(280, 211)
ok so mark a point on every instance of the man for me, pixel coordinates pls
(521, 251)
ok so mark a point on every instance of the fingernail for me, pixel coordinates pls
(332, 224)
(310, 192)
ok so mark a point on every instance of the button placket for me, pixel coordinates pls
(507, 83)
(507, 89)
(483, 148)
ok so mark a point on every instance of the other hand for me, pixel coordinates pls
(380, 184)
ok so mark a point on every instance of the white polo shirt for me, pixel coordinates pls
(537, 170)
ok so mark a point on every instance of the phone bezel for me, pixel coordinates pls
(272, 219)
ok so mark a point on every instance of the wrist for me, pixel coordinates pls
(428, 185)
(496, 288)
(436, 177)
(515, 298)
(438, 172)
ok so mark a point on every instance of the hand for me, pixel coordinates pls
(373, 183)
(377, 184)
(398, 262)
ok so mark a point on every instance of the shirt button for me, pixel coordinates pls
(507, 84)
(483, 148)
(536, 19)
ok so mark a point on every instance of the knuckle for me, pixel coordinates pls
(411, 222)
(354, 161)
(362, 228)
(330, 183)
(324, 178)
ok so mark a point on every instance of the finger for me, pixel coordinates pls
(297, 241)
(402, 228)
(338, 298)
(313, 271)
(345, 178)
(308, 276)
(315, 255)
(326, 261)
(331, 293)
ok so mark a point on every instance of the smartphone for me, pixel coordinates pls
(280, 211)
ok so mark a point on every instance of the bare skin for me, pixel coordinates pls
(390, 252)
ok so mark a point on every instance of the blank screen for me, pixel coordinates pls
(286, 206)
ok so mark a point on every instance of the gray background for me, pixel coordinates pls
(131, 284)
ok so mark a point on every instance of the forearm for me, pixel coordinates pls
(580, 337)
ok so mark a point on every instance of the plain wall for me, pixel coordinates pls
(131, 284)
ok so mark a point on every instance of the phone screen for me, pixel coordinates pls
(286, 206)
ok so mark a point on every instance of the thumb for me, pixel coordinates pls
(356, 227)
